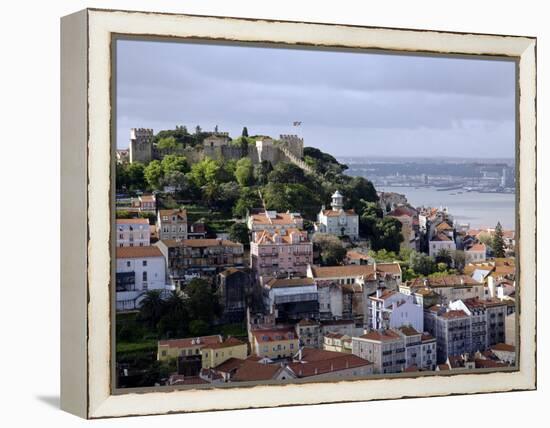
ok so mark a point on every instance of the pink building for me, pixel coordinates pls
(281, 253)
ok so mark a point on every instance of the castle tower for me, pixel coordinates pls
(337, 201)
(141, 145)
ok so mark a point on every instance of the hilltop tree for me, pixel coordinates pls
(286, 173)
(239, 232)
(167, 144)
(422, 263)
(202, 302)
(248, 199)
(387, 235)
(154, 174)
(244, 172)
(174, 163)
(331, 250)
(245, 132)
(498, 241)
(444, 256)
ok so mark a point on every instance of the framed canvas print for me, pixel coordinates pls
(264, 213)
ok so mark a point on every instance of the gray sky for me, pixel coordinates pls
(349, 103)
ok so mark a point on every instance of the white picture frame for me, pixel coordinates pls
(87, 218)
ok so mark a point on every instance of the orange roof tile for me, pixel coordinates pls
(137, 252)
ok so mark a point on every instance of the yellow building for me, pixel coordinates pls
(218, 353)
(186, 347)
(273, 344)
(337, 342)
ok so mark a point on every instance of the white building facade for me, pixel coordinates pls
(133, 232)
(138, 269)
(337, 221)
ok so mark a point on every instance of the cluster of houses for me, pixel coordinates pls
(308, 321)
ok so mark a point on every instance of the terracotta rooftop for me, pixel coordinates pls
(454, 314)
(289, 282)
(227, 343)
(443, 281)
(381, 336)
(332, 213)
(181, 214)
(137, 252)
(306, 322)
(322, 366)
(408, 331)
(503, 347)
(402, 211)
(265, 237)
(320, 272)
(440, 237)
(177, 379)
(251, 371)
(443, 226)
(143, 221)
(477, 247)
(191, 341)
(229, 365)
(488, 364)
(280, 219)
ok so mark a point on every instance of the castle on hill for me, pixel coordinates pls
(217, 146)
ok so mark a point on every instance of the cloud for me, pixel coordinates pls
(332, 93)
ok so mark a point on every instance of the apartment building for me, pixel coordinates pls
(172, 224)
(133, 232)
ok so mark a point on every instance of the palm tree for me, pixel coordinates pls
(175, 317)
(151, 307)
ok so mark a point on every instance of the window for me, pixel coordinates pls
(163, 353)
(144, 276)
(128, 263)
(144, 263)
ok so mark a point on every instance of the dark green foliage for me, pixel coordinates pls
(286, 173)
(498, 242)
(322, 162)
(422, 263)
(202, 301)
(444, 256)
(330, 248)
(239, 233)
(245, 132)
(248, 199)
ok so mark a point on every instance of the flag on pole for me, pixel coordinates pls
(296, 123)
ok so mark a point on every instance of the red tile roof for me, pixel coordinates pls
(322, 366)
(132, 221)
(289, 282)
(227, 343)
(137, 252)
(381, 336)
(320, 272)
(251, 371)
(503, 347)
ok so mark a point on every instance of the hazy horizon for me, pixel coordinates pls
(349, 103)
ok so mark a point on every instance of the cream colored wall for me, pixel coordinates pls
(215, 357)
(272, 348)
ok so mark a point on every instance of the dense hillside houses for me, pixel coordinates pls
(230, 268)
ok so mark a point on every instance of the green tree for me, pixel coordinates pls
(174, 163)
(444, 256)
(202, 302)
(198, 328)
(204, 172)
(135, 173)
(330, 248)
(167, 144)
(459, 260)
(261, 172)
(422, 263)
(370, 215)
(154, 174)
(151, 308)
(175, 316)
(248, 199)
(244, 172)
(358, 190)
(498, 242)
(286, 173)
(239, 232)
(245, 132)
(388, 235)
